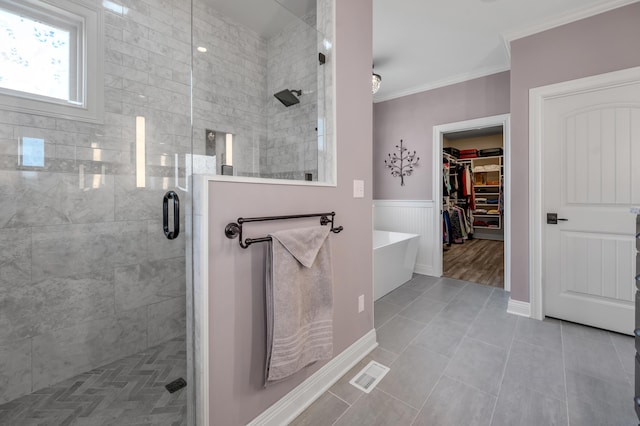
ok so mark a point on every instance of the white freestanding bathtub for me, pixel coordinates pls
(394, 258)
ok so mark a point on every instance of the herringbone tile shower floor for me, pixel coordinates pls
(129, 391)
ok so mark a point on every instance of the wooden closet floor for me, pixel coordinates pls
(478, 261)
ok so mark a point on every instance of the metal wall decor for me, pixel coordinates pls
(401, 163)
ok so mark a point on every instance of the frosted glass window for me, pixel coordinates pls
(34, 56)
(51, 58)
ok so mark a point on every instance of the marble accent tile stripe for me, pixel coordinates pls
(75, 166)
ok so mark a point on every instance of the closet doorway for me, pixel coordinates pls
(472, 168)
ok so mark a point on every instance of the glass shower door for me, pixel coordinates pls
(93, 310)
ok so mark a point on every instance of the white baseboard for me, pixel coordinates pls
(517, 307)
(296, 401)
(423, 269)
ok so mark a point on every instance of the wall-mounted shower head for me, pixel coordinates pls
(287, 97)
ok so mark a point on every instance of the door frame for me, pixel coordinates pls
(439, 131)
(537, 98)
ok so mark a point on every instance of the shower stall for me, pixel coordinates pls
(93, 295)
(98, 144)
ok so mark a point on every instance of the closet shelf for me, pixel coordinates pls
(483, 158)
(486, 227)
(486, 186)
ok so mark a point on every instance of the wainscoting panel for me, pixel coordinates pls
(410, 216)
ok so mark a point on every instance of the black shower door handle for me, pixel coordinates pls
(171, 235)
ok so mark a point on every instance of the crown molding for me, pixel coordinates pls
(507, 38)
(460, 78)
(562, 19)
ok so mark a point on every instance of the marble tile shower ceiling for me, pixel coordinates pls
(86, 275)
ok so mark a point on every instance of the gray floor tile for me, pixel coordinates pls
(625, 347)
(379, 409)
(495, 327)
(323, 412)
(596, 359)
(397, 333)
(520, 406)
(475, 293)
(459, 361)
(583, 414)
(536, 368)
(383, 356)
(498, 301)
(421, 283)
(454, 403)
(452, 282)
(579, 331)
(413, 375)
(422, 309)
(383, 312)
(541, 333)
(600, 398)
(442, 336)
(349, 393)
(401, 296)
(478, 364)
(345, 390)
(444, 290)
(460, 311)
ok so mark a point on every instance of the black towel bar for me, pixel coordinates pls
(234, 229)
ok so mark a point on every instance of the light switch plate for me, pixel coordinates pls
(358, 188)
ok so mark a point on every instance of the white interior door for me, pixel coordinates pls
(591, 177)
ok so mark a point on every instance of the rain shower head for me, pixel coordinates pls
(287, 97)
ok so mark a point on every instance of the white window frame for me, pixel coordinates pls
(84, 21)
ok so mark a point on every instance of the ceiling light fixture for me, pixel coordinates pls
(375, 82)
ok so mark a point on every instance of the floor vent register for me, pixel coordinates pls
(369, 376)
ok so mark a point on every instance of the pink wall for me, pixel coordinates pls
(411, 118)
(236, 275)
(596, 45)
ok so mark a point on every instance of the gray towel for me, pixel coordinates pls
(299, 301)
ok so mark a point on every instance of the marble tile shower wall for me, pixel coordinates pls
(229, 86)
(292, 145)
(86, 275)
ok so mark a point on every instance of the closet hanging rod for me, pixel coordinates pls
(234, 229)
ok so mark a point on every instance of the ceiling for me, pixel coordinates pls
(474, 133)
(266, 17)
(423, 44)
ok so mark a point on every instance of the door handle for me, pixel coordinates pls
(552, 218)
(171, 235)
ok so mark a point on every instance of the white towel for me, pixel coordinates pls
(299, 301)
